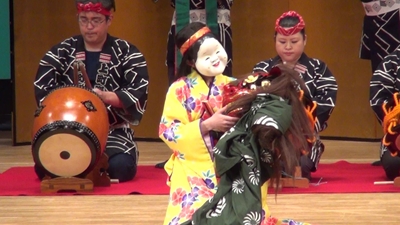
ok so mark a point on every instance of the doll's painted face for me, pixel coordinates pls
(211, 58)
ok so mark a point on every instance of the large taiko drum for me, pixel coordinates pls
(70, 132)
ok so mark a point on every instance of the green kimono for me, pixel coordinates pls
(245, 168)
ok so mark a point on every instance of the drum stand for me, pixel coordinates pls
(96, 178)
(297, 181)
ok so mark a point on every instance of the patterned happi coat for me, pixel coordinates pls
(121, 68)
(190, 168)
(245, 168)
(321, 87)
(380, 31)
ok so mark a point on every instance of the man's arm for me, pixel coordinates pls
(48, 75)
(133, 93)
(325, 96)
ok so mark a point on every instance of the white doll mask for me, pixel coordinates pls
(211, 58)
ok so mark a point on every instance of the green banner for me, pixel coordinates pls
(182, 8)
(5, 61)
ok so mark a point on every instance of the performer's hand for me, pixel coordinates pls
(219, 121)
(108, 97)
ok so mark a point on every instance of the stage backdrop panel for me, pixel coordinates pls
(333, 29)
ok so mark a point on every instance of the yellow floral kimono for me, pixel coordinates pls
(190, 168)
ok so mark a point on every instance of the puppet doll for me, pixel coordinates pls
(186, 126)
(272, 129)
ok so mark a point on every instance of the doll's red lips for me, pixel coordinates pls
(216, 64)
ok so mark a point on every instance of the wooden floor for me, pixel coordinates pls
(149, 210)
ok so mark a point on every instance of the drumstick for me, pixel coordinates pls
(383, 182)
(84, 74)
(208, 108)
(75, 73)
(114, 181)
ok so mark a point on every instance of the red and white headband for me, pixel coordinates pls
(196, 36)
(289, 30)
(90, 7)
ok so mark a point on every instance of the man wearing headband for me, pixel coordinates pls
(290, 40)
(117, 71)
(380, 32)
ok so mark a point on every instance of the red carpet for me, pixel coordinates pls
(23, 181)
(340, 177)
(345, 177)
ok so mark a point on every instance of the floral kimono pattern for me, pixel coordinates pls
(190, 168)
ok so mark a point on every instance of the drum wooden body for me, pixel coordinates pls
(70, 132)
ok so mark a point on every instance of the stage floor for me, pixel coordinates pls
(320, 209)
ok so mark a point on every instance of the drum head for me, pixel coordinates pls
(65, 153)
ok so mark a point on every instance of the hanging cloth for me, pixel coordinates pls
(182, 11)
